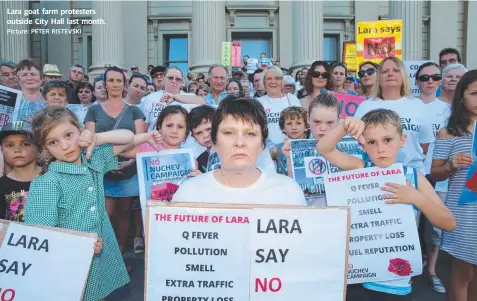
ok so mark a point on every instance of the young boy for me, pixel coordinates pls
(200, 126)
(381, 136)
(21, 153)
(294, 125)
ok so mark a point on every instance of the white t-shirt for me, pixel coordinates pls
(252, 65)
(273, 108)
(269, 189)
(438, 113)
(415, 123)
(153, 107)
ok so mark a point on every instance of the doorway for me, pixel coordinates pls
(254, 43)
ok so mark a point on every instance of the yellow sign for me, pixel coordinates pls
(227, 54)
(349, 55)
(377, 40)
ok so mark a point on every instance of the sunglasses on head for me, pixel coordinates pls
(425, 77)
(369, 72)
(317, 74)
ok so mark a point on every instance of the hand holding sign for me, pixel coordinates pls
(401, 194)
(87, 140)
(98, 246)
(286, 148)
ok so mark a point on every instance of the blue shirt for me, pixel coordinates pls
(209, 98)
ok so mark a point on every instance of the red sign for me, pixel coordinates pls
(379, 48)
(236, 54)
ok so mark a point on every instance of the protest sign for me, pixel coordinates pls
(349, 103)
(227, 55)
(264, 161)
(469, 191)
(349, 56)
(8, 98)
(412, 67)
(282, 253)
(377, 40)
(161, 173)
(43, 263)
(309, 167)
(236, 54)
(384, 243)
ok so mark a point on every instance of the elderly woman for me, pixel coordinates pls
(392, 91)
(239, 131)
(30, 78)
(367, 77)
(120, 186)
(339, 73)
(289, 84)
(275, 101)
(315, 82)
(451, 75)
(246, 87)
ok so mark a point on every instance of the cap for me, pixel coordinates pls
(289, 80)
(157, 69)
(349, 76)
(51, 70)
(17, 127)
(134, 67)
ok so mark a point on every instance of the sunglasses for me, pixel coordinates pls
(317, 74)
(177, 79)
(369, 72)
(425, 77)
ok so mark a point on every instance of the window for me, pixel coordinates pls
(331, 49)
(177, 52)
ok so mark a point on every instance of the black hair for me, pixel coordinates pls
(368, 63)
(258, 71)
(308, 85)
(172, 110)
(78, 66)
(157, 69)
(460, 118)
(54, 84)
(241, 108)
(241, 93)
(82, 85)
(138, 75)
(427, 64)
(246, 56)
(333, 66)
(200, 114)
(448, 51)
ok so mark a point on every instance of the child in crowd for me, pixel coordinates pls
(200, 125)
(21, 153)
(294, 123)
(381, 136)
(70, 193)
(452, 160)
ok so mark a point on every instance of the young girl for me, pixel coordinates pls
(452, 160)
(323, 116)
(70, 193)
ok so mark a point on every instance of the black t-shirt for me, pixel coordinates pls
(13, 195)
(202, 161)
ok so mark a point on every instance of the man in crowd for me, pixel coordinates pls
(134, 69)
(250, 65)
(7, 74)
(257, 83)
(218, 76)
(76, 75)
(51, 72)
(449, 56)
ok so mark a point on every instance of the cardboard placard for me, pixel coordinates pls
(349, 103)
(384, 243)
(8, 98)
(34, 260)
(245, 252)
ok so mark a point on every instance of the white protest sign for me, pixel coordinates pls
(8, 98)
(43, 264)
(412, 67)
(384, 243)
(231, 253)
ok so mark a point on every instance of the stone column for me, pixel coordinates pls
(108, 45)
(208, 33)
(470, 48)
(411, 14)
(14, 46)
(307, 32)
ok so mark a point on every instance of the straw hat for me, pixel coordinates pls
(51, 70)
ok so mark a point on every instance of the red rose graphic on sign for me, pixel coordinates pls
(163, 191)
(400, 267)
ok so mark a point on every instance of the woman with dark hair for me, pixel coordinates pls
(99, 90)
(367, 77)
(136, 91)
(452, 160)
(234, 87)
(239, 131)
(120, 186)
(315, 82)
(338, 78)
(84, 93)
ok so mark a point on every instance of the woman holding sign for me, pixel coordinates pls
(239, 131)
